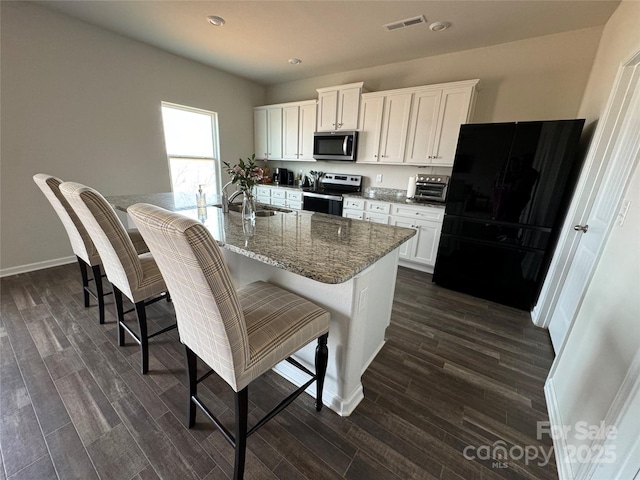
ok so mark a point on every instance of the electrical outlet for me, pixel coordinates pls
(379, 178)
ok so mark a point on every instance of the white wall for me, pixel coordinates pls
(536, 79)
(83, 104)
(605, 336)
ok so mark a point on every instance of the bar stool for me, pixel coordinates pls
(136, 276)
(81, 244)
(239, 334)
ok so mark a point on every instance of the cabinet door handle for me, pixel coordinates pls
(581, 228)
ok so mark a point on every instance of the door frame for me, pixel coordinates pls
(607, 134)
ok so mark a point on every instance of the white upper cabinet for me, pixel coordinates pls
(306, 128)
(395, 124)
(267, 128)
(370, 127)
(456, 106)
(290, 134)
(416, 126)
(424, 124)
(260, 134)
(339, 107)
(285, 131)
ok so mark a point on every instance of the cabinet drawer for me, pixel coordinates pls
(294, 205)
(278, 202)
(354, 203)
(263, 199)
(263, 191)
(278, 193)
(423, 213)
(356, 214)
(378, 207)
(377, 218)
(294, 196)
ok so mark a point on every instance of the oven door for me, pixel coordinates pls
(431, 191)
(316, 202)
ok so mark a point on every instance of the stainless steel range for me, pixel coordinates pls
(327, 196)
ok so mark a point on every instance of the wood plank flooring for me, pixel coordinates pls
(456, 375)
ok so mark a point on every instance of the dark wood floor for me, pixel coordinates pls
(456, 374)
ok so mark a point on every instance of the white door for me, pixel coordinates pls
(618, 160)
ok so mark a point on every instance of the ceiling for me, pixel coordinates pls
(328, 36)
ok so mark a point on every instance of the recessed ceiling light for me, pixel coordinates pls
(215, 20)
(439, 26)
(295, 61)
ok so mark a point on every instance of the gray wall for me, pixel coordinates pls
(83, 104)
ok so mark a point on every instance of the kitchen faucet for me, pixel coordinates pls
(226, 201)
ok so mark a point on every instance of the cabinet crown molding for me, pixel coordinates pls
(420, 88)
(362, 85)
(288, 104)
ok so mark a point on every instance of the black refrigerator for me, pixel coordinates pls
(508, 194)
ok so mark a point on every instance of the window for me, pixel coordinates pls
(191, 140)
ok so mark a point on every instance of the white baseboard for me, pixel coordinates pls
(563, 461)
(415, 266)
(31, 267)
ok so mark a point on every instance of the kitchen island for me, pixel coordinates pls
(346, 266)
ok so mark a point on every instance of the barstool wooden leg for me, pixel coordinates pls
(85, 280)
(242, 410)
(322, 356)
(192, 379)
(97, 277)
(117, 295)
(141, 312)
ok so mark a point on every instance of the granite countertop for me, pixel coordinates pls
(325, 248)
(392, 196)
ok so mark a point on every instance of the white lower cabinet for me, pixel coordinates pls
(280, 197)
(427, 221)
(263, 195)
(420, 251)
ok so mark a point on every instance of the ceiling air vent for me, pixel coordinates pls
(407, 22)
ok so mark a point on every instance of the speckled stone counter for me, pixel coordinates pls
(392, 196)
(325, 248)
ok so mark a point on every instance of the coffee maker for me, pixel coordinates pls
(280, 176)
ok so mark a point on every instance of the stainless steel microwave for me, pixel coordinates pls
(340, 146)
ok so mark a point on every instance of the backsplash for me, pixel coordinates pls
(393, 176)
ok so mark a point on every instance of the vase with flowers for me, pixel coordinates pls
(246, 175)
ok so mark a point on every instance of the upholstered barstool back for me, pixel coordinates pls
(81, 243)
(239, 334)
(123, 265)
(133, 275)
(207, 307)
